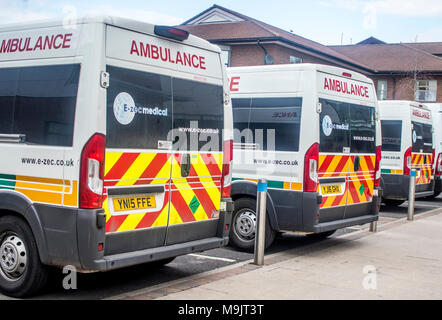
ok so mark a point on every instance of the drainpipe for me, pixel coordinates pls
(394, 87)
(267, 59)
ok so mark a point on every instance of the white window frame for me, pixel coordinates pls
(382, 89)
(425, 90)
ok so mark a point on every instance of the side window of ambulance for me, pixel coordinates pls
(39, 102)
(274, 123)
(362, 129)
(139, 109)
(334, 124)
(391, 135)
(198, 116)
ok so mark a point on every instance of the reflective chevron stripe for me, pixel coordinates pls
(194, 198)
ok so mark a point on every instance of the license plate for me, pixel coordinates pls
(331, 189)
(134, 203)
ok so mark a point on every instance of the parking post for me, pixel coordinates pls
(261, 205)
(412, 191)
(374, 226)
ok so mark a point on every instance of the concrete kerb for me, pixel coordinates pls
(247, 266)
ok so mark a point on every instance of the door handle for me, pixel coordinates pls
(357, 163)
(185, 165)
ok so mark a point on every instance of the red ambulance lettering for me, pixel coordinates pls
(154, 52)
(51, 42)
(346, 88)
(234, 84)
(421, 114)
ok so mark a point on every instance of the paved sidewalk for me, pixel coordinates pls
(407, 257)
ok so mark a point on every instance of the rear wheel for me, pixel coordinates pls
(244, 223)
(392, 202)
(21, 272)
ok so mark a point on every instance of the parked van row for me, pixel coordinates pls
(125, 143)
(117, 147)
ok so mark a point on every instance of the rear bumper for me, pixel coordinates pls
(397, 187)
(437, 185)
(339, 224)
(74, 236)
(127, 259)
(310, 213)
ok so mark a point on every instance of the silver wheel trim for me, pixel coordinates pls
(13, 257)
(245, 224)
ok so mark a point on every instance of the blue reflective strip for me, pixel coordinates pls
(262, 187)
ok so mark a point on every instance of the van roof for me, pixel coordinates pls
(302, 67)
(391, 103)
(129, 24)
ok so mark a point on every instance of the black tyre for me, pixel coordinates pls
(21, 272)
(321, 235)
(242, 232)
(392, 202)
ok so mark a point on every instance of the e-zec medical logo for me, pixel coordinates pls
(327, 125)
(125, 109)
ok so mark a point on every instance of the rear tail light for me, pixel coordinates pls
(377, 169)
(92, 173)
(311, 169)
(226, 178)
(407, 162)
(439, 165)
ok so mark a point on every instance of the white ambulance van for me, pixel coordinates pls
(436, 109)
(111, 134)
(407, 142)
(312, 131)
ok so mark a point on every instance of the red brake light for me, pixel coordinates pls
(377, 169)
(226, 177)
(346, 74)
(92, 173)
(407, 162)
(171, 32)
(311, 169)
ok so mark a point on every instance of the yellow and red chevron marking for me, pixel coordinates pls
(333, 165)
(198, 196)
(130, 169)
(425, 163)
(358, 185)
(194, 198)
(361, 182)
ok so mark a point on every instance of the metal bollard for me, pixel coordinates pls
(260, 235)
(374, 226)
(411, 194)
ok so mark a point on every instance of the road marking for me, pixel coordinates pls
(211, 258)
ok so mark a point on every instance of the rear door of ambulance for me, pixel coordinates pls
(347, 148)
(163, 143)
(422, 144)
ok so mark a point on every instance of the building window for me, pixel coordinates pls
(225, 55)
(426, 90)
(294, 59)
(382, 89)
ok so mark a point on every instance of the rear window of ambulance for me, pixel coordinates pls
(391, 135)
(267, 123)
(422, 138)
(347, 126)
(186, 113)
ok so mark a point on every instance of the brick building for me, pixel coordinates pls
(411, 71)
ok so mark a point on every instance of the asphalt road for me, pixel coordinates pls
(105, 285)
